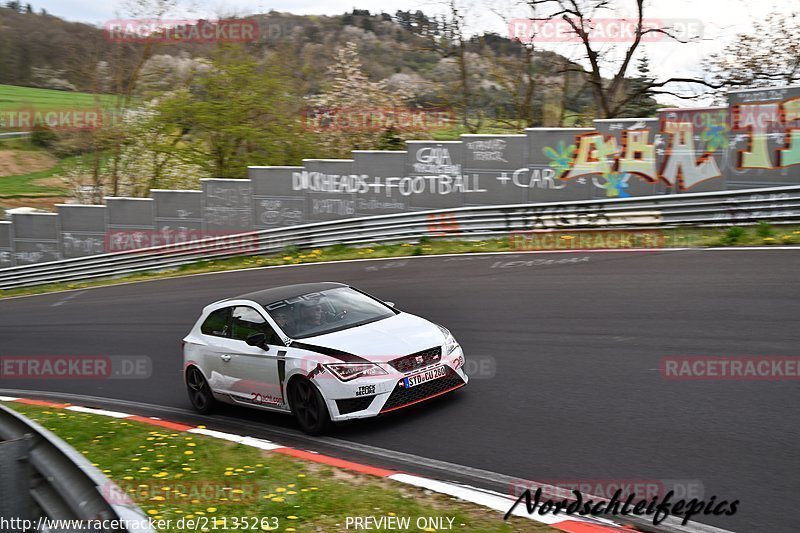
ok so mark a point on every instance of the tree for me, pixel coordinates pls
(352, 112)
(770, 55)
(612, 96)
(643, 105)
(238, 111)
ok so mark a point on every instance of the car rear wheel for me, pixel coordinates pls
(308, 407)
(199, 392)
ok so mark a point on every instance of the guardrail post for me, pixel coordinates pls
(15, 501)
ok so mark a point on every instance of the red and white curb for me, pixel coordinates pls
(485, 498)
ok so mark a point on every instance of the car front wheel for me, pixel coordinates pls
(308, 407)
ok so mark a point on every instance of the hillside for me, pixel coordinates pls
(404, 50)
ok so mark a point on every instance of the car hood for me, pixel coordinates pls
(396, 336)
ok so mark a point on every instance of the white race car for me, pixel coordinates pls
(322, 351)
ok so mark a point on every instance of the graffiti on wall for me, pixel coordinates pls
(752, 143)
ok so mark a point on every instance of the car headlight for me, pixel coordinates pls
(450, 343)
(350, 371)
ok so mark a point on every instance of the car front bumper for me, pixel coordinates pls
(371, 396)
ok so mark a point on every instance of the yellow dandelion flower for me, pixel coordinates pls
(280, 489)
(152, 512)
(188, 452)
(212, 509)
(292, 517)
(278, 500)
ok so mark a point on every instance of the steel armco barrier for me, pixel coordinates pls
(779, 205)
(42, 477)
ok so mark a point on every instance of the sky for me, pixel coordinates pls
(718, 20)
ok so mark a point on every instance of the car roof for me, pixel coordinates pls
(275, 294)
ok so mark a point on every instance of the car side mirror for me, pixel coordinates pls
(390, 304)
(257, 339)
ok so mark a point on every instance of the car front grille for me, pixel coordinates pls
(351, 405)
(402, 397)
(409, 363)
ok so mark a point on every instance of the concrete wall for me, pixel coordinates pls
(82, 229)
(6, 245)
(754, 142)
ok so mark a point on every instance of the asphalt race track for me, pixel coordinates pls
(576, 340)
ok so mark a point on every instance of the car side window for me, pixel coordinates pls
(217, 323)
(246, 321)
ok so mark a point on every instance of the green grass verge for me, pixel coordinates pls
(25, 186)
(173, 475)
(673, 238)
(14, 97)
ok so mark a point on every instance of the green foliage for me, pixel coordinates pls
(239, 111)
(42, 136)
(390, 140)
(764, 229)
(733, 235)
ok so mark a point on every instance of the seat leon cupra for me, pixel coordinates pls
(324, 352)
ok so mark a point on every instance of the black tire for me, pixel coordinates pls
(199, 392)
(308, 407)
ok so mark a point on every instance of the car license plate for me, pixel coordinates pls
(424, 377)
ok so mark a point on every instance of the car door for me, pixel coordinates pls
(252, 372)
(215, 348)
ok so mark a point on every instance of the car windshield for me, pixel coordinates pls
(326, 311)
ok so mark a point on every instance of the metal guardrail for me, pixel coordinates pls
(780, 205)
(43, 477)
(14, 134)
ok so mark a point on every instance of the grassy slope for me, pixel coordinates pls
(14, 97)
(173, 475)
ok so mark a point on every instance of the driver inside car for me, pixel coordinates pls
(312, 315)
(283, 317)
